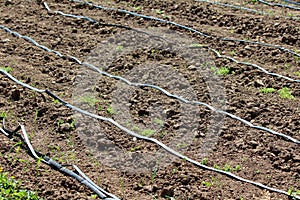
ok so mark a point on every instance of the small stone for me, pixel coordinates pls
(8, 2)
(258, 83)
(248, 47)
(15, 95)
(296, 158)
(253, 143)
(5, 40)
(276, 24)
(148, 188)
(66, 127)
(192, 67)
(185, 180)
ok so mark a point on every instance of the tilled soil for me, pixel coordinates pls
(136, 169)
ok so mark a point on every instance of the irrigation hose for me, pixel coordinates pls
(183, 27)
(151, 140)
(142, 85)
(80, 177)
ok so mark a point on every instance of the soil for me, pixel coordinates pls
(117, 162)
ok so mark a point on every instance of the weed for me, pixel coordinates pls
(10, 189)
(135, 129)
(181, 145)
(122, 185)
(158, 121)
(267, 90)
(99, 107)
(91, 101)
(285, 93)
(7, 69)
(147, 132)
(162, 134)
(297, 73)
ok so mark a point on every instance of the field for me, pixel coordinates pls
(199, 101)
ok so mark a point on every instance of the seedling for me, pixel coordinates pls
(285, 93)
(181, 145)
(3, 114)
(216, 166)
(232, 53)
(174, 170)
(137, 8)
(196, 45)
(214, 181)
(60, 122)
(110, 110)
(38, 163)
(72, 124)
(292, 193)
(133, 149)
(206, 183)
(237, 168)
(267, 90)
(227, 168)
(168, 197)
(36, 116)
(204, 161)
(223, 71)
(154, 173)
(94, 196)
(119, 48)
(55, 101)
(159, 12)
